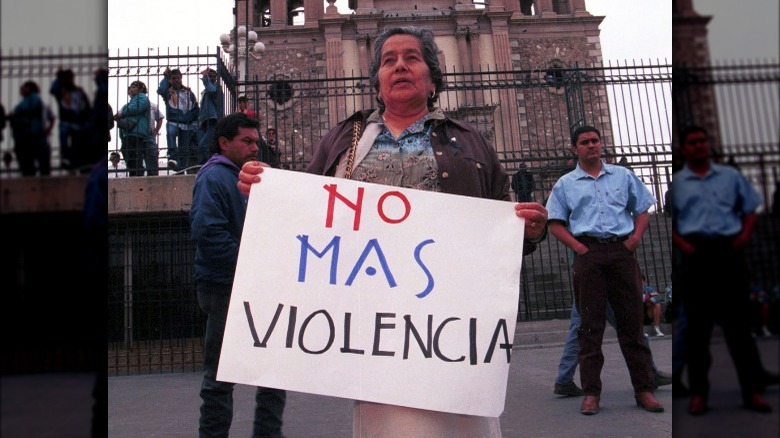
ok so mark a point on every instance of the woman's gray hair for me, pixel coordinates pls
(429, 52)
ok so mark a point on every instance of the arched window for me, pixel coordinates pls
(262, 13)
(527, 7)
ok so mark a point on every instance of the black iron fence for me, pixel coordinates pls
(154, 321)
(739, 104)
(526, 114)
(41, 66)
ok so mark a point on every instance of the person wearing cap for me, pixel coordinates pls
(134, 140)
(212, 108)
(181, 109)
(243, 107)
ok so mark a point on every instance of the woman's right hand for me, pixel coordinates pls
(249, 174)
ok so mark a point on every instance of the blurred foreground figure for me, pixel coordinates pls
(713, 216)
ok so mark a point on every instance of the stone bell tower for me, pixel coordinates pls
(308, 39)
(693, 96)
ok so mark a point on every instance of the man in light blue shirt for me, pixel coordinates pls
(713, 215)
(599, 211)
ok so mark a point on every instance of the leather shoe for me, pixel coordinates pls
(755, 402)
(646, 400)
(590, 405)
(697, 405)
(661, 378)
(568, 389)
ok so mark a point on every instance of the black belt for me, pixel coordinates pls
(594, 239)
(708, 239)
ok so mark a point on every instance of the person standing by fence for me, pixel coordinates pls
(212, 108)
(243, 106)
(270, 152)
(217, 220)
(75, 117)
(152, 151)
(181, 109)
(523, 184)
(133, 122)
(599, 210)
(31, 123)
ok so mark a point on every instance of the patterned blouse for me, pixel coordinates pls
(406, 161)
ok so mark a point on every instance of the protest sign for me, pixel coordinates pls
(375, 293)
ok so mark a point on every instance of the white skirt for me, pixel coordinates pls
(374, 420)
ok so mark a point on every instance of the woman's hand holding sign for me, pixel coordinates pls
(535, 216)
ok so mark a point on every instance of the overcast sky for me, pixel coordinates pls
(742, 30)
(56, 24)
(632, 29)
(637, 29)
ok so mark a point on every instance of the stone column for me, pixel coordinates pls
(461, 35)
(544, 8)
(363, 42)
(506, 116)
(500, 5)
(578, 8)
(692, 102)
(365, 7)
(476, 58)
(313, 10)
(335, 63)
(278, 13)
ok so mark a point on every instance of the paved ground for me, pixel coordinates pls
(166, 405)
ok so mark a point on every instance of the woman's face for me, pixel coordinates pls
(404, 77)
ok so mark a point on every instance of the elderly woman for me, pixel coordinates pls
(410, 143)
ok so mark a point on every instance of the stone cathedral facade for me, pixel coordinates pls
(310, 39)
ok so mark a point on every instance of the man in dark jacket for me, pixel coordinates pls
(182, 111)
(217, 219)
(212, 108)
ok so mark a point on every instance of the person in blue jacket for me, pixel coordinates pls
(134, 140)
(31, 124)
(181, 110)
(212, 108)
(216, 221)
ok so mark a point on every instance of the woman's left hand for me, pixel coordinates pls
(535, 216)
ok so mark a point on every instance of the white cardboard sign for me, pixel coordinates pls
(375, 293)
